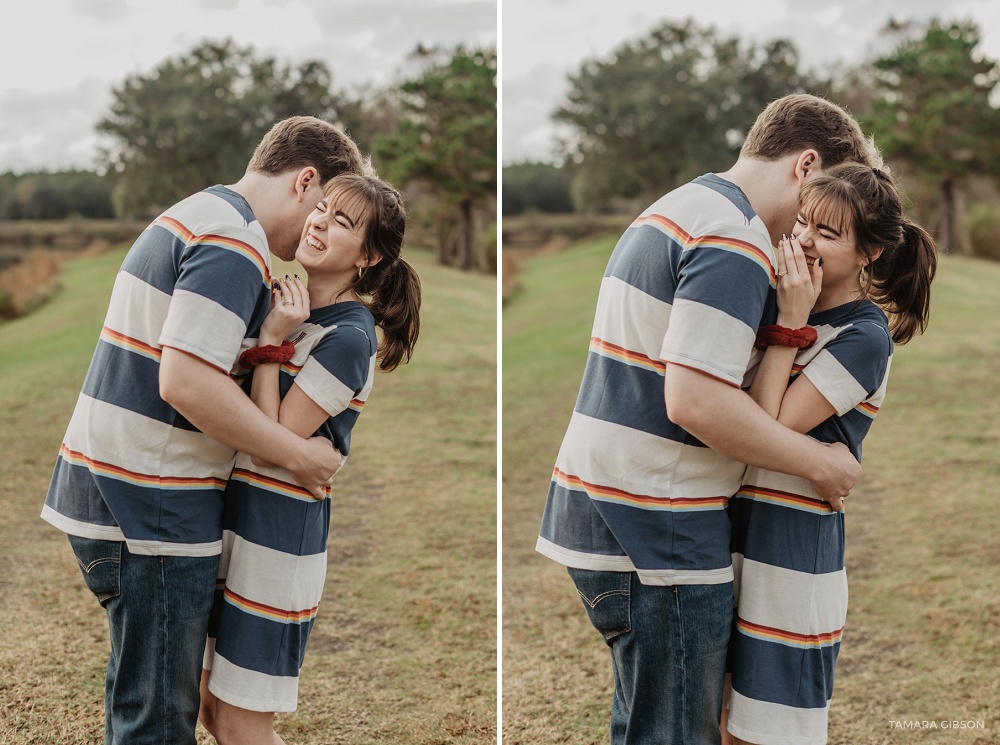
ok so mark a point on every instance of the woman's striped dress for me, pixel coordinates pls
(273, 563)
(788, 548)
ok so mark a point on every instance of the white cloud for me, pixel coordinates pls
(60, 59)
(555, 36)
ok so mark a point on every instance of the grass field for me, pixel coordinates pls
(922, 642)
(404, 647)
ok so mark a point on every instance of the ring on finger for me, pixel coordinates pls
(782, 273)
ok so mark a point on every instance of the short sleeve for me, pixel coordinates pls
(338, 368)
(221, 292)
(723, 287)
(852, 366)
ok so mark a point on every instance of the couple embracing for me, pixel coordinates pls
(199, 514)
(741, 348)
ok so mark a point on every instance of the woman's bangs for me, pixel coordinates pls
(353, 199)
(827, 209)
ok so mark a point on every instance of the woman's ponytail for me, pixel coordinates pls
(395, 304)
(900, 282)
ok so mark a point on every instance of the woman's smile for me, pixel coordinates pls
(314, 242)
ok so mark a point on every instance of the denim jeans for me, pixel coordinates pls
(158, 609)
(668, 652)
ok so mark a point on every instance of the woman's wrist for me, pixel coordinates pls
(791, 321)
(267, 340)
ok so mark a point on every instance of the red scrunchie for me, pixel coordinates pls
(268, 353)
(779, 336)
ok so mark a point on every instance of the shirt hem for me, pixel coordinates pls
(250, 704)
(138, 547)
(764, 739)
(604, 563)
(195, 351)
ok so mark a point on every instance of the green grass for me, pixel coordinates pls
(923, 632)
(404, 647)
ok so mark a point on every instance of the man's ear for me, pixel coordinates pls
(306, 179)
(807, 165)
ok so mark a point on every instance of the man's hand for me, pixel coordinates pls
(318, 462)
(837, 476)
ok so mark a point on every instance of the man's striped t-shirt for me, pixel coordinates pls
(130, 467)
(689, 283)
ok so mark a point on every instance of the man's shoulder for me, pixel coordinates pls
(215, 211)
(703, 208)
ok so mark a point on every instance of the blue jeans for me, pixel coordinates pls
(157, 610)
(668, 652)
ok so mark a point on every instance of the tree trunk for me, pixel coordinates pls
(948, 215)
(961, 229)
(483, 262)
(439, 252)
(465, 237)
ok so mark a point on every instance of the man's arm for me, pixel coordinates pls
(211, 401)
(727, 420)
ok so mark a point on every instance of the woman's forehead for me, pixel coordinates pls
(826, 209)
(352, 202)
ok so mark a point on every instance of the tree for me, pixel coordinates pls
(932, 113)
(668, 107)
(446, 138)
(195, 120)
(55, 196)
(536, 186)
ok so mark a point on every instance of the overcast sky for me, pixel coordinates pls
(60, 58)
(544, 40)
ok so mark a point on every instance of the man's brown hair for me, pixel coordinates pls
(799, 122)
(301, 141)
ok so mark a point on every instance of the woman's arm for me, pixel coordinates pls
(798, 288)
(289, 308)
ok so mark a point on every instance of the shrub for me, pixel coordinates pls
(984, 229)
(28, 283)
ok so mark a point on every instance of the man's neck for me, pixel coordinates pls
(772, 190)
(264, 195)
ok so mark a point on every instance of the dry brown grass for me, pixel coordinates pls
(33, 279)
(29, 282)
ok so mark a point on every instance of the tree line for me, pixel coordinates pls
(195, 119)
(667, 107)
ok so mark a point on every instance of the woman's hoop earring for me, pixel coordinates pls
(360, 274)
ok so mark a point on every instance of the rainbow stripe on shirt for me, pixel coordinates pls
(269, 612)
(110, 470)
(612, 495)
(687, 241)
(636, 359)
(277, 486)
(784, 499)
(230, 244)
(790, 638)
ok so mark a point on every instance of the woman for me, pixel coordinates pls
(853, 260)
(312, 371)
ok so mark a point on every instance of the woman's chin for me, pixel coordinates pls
(302, 255)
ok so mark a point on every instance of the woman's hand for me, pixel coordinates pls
(289, 308)
(798, 284)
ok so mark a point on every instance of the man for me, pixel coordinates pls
(636, 506)
(139, 479)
